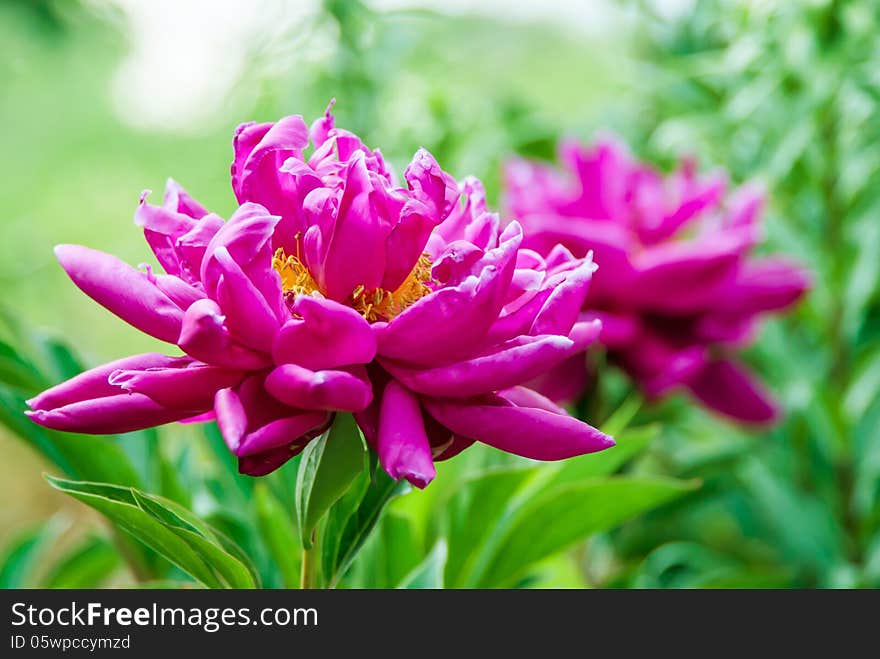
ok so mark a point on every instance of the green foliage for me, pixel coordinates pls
(30, 560)
(328, 466)
(785, 93)
(169, 529)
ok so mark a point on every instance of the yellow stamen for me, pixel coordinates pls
(381, 304)
(375, 304)
(295, 277)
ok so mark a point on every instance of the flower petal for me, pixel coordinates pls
(560, 311)
(443, 325)
(403, 447)
(185, 383)
(511, 363)
(528, 431)
(727, 388)
(247, 236)
(358, 231)
(248, 316)
(253, 422)
(331, 390)
(122, 290)
(433, 194)
(94, 383)
(328, 335)
(682, 277)
(204, 336)
(260, 150)
(769, 284)
(109, 415)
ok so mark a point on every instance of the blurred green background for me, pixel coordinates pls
(103, 99)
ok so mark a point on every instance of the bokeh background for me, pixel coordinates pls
(100, 99)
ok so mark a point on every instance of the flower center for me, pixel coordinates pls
(373, 304)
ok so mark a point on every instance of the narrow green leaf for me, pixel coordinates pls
(24, 557)
(577, 511)
(629, 443)
(327, 469)
(362, 522)
(18, 372)
(201, 537)
(338, 518)
(278, 531)
(166, 527)
(88, 565)
(623, 415)
(428, 573)
(472, 514)
(92, 458)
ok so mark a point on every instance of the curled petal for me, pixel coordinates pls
(204, 336)
(532, 432)
(162, 226)
(109, 415)
(560, 311)
(253, 424)
(404, 450)
(183, 384)
(94, 383)
(331, 390)
(180, 201)
(260, 150)
(246, 236)
(122, 290)
(510, 364)
(248, 315)
(442, 325)
(328, 335)
(728, 389)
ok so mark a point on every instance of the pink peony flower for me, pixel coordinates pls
(678, 292)
(332, 289)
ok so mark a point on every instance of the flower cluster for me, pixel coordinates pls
(678, 292)
(333, 289)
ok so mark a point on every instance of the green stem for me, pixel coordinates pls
(310, 562)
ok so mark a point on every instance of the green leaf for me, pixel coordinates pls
(577, 511)
(382, 489)
(93, 458)
(328, 467)
(628, 444)
(338, 518)
(231, 484)
(472, 514)
(88, 565)
(623, 415)
(233, 566)
(24, 557)
(16, 371)
(428, 573)
(278, 531)
(167, 528)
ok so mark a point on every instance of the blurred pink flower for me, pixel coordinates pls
(677, 290)
(332, 289)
